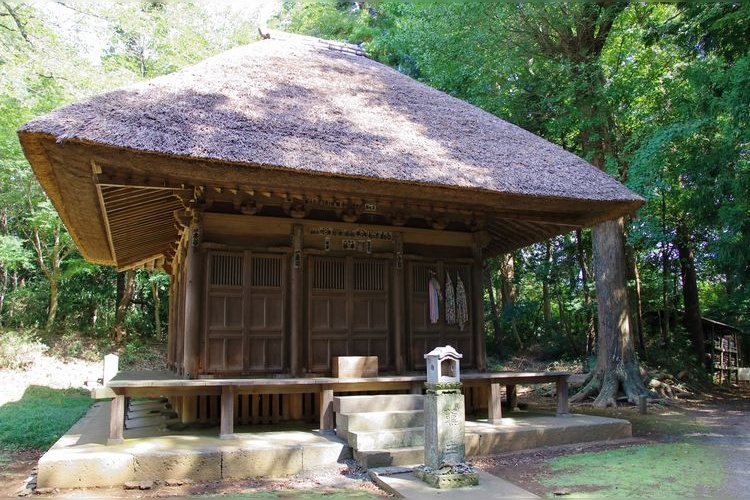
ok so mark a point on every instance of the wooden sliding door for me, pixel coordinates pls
(245, 311)
(347, 310)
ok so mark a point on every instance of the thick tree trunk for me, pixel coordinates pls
(692, 317)
(497, 330)
(617, 366)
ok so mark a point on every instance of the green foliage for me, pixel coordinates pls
(41, 417)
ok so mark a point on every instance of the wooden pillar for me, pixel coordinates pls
(397, 295)
(171, 361)
(193, 302)
(477, 304)
(117, 420)
(494, 405)
(226, 430)
(326, 408)
(297, 320)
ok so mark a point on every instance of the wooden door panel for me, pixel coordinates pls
(225, 311)
(225, 354)
(266, 354)
(266, 313)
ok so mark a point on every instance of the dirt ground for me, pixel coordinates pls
(725, 409)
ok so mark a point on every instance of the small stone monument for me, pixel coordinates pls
(444, 450)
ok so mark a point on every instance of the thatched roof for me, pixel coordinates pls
(289, 104)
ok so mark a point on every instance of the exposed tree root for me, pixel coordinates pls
(607, 386)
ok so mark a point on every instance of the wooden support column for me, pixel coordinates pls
(494, 405)
(477, 302)
(562, 396)
(171, 361)
(193, 300)
(326, 408)
(397, 294)
(117, 420)
(297, 286)
(226, 430)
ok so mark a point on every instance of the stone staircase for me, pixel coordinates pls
(383, 430)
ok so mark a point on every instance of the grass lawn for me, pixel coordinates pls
(661, 470)
(38, 419)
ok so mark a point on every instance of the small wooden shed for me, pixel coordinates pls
(308, 203)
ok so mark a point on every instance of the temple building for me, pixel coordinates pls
(308, 203)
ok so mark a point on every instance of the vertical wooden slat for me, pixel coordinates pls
(494, 405)
(227, 413)
(117, 420)
(256, 408)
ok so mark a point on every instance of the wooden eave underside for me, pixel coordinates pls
(136, 195)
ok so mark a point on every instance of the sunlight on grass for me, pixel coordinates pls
(668, 470)
(41, 416)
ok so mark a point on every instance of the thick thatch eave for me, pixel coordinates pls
(288, 107)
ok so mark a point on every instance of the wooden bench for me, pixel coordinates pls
(156, 384)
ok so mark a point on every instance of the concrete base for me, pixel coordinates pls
(82, 459)
(526, 430)
(401, 482)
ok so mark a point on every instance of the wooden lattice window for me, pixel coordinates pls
(421, 274)
(369, 276)
(267, 272)
(328, 274)
(226, 270)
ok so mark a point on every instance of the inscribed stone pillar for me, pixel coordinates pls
(444, 428)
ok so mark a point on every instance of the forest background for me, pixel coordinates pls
(658, 95)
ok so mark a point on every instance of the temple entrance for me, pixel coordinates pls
(348, 310)
(245, 305)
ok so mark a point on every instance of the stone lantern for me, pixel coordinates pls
(444, 417)
(443, 366)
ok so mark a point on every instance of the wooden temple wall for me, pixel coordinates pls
(282, 300)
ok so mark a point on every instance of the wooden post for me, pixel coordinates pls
(117, 420)
(193, 302)
(494, 405)
(397, 294)
(562, 396)
(227, 413)
(188, 409)
(477, 303)
(326, 408)
(297, 284)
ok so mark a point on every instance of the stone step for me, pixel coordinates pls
(373, 421)
(386, 458)
(386, 439)
(379, 402)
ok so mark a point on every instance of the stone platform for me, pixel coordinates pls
(82, 458)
